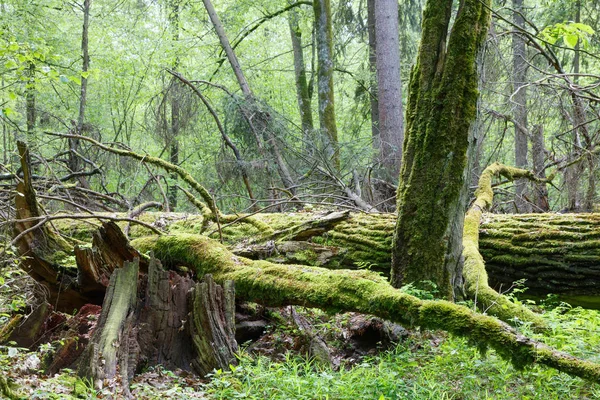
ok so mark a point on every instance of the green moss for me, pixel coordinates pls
(344, 290)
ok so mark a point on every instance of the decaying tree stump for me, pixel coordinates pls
(149, 316)
(212, 325)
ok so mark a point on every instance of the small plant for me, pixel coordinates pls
(425, 290)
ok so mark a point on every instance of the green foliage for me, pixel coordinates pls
(571, 33)
(429, 365)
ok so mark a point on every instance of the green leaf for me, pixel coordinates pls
(10, 64)
(571, 40)
(13, 47)
(583, 28)
(75, 79)
(85, 74)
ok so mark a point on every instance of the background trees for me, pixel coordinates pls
(538, 108)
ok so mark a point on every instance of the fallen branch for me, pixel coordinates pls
(360, 291)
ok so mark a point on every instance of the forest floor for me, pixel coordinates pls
(367, 359)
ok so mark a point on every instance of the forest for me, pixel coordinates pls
(326, 199)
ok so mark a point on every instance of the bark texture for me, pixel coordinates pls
(441, 106)
(324, 38)
(389, 87)
(303, 91)
(519, 98)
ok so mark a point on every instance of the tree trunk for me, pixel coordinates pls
(175, 97)
(324, 38)
(360, 291)
(580, 138)
(127, 334)
(519, 98)
(302, 89)
(235, 65)
(261, 126)
(389, 88)
(74, 161)
(30, 102)
(538, 151)
(442, 105)
(373, 78)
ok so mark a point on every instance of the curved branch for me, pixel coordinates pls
(476, 278)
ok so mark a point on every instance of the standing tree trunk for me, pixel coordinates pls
(30, 102)
(441, 106)
(324, 36)
(74, 161)
(302, 89)
(538, 151)
(389, 87)
(520, 104)
(580, 134)
(174, 94)
(373, 78)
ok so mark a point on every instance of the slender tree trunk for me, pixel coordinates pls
(579, 134)
(389, 87)
(264, 130)
(74, 161)
(235, 65)
(373, 79)
(174, 94)
(30, 102)
(520, 104)
(324, 36)
(302, 90)
(442, 104)
(538, 151)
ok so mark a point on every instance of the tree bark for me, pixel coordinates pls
(30, 102)
(260, 128)
(442, 105)
(235, 65)
(360, 291)
(273, 285)
(302, 89)
(538, 151)
(373, 78)
(175, 97)
(519, 98)
(389, 88)
(324, 38)
(74, 161)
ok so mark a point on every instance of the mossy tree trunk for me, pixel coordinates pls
(324, 39)
(441, 106)
(303, 87)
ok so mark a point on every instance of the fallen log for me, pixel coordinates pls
(360, 291)
(554, 253)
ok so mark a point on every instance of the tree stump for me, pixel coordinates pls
(213, 325)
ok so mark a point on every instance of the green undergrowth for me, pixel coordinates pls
(428, 365)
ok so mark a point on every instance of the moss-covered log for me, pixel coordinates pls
(555, 253)
(360, 291)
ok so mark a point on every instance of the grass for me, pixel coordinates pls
(429, 365)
